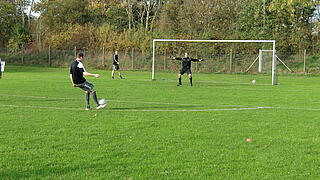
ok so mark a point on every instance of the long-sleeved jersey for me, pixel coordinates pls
(186, 62)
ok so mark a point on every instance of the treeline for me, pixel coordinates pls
(132, 24)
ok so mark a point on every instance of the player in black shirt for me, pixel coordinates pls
(185, 67)
(116, 66)
(77, 71)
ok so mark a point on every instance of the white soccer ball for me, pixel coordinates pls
(254, 81)
(102, 101)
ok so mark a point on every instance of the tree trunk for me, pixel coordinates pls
(148, 9)
(29, 13)
(129, 13)
(20, 3)
(158, 7)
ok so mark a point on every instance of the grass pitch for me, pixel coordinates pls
(156, 130)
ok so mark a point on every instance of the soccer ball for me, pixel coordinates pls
(102, 101)
(253, 81)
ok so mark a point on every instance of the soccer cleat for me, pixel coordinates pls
(112, 77)
(101, 106)
(179, 84)
(87, 109)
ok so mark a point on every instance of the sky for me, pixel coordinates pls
(33, 13)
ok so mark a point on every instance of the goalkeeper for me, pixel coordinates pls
(185, 67)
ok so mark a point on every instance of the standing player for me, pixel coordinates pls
(77, 71)
(185, 67)
(116, 66)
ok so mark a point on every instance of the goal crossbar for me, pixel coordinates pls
(274, 59)
(191, 40)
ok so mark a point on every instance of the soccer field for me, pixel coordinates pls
(156, 130)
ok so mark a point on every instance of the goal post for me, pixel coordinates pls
(273, 42)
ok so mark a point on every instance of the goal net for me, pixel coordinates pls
(236, 61)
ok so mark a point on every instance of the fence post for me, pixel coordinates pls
(164, 60)
(304, 60)
(49, 56)
(196, 61)
(75, 51)
(22, 54)
(132, 66)
(103, 63)
(230, 61)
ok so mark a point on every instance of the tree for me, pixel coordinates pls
(295, 18)
(288, 22)
(7, 21)
(12, 23)
(57, 15)
(129, 9)
(19, 38)
(194, 18)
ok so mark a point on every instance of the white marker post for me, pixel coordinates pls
(2, 64)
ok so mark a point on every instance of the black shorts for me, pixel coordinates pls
(86, 86)
(116, 67)
(188, 71)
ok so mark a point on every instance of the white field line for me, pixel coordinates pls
(239, 107)
(232, 83)
(40, 107)
(38, 97)
(191, 110)
(128, 101)
(296, 108)
(166, 110)
(208, 81)
(250, 87)
(140, 110)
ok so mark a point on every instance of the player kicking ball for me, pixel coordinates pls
(77, 71)
(185, 67)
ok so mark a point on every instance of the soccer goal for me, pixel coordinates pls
(262, 59)
(221, 56)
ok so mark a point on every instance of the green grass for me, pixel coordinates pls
(156, 130)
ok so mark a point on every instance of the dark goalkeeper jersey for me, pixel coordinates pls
(77, 69)
(186, 62)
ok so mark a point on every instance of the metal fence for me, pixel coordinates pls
(131, 59)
